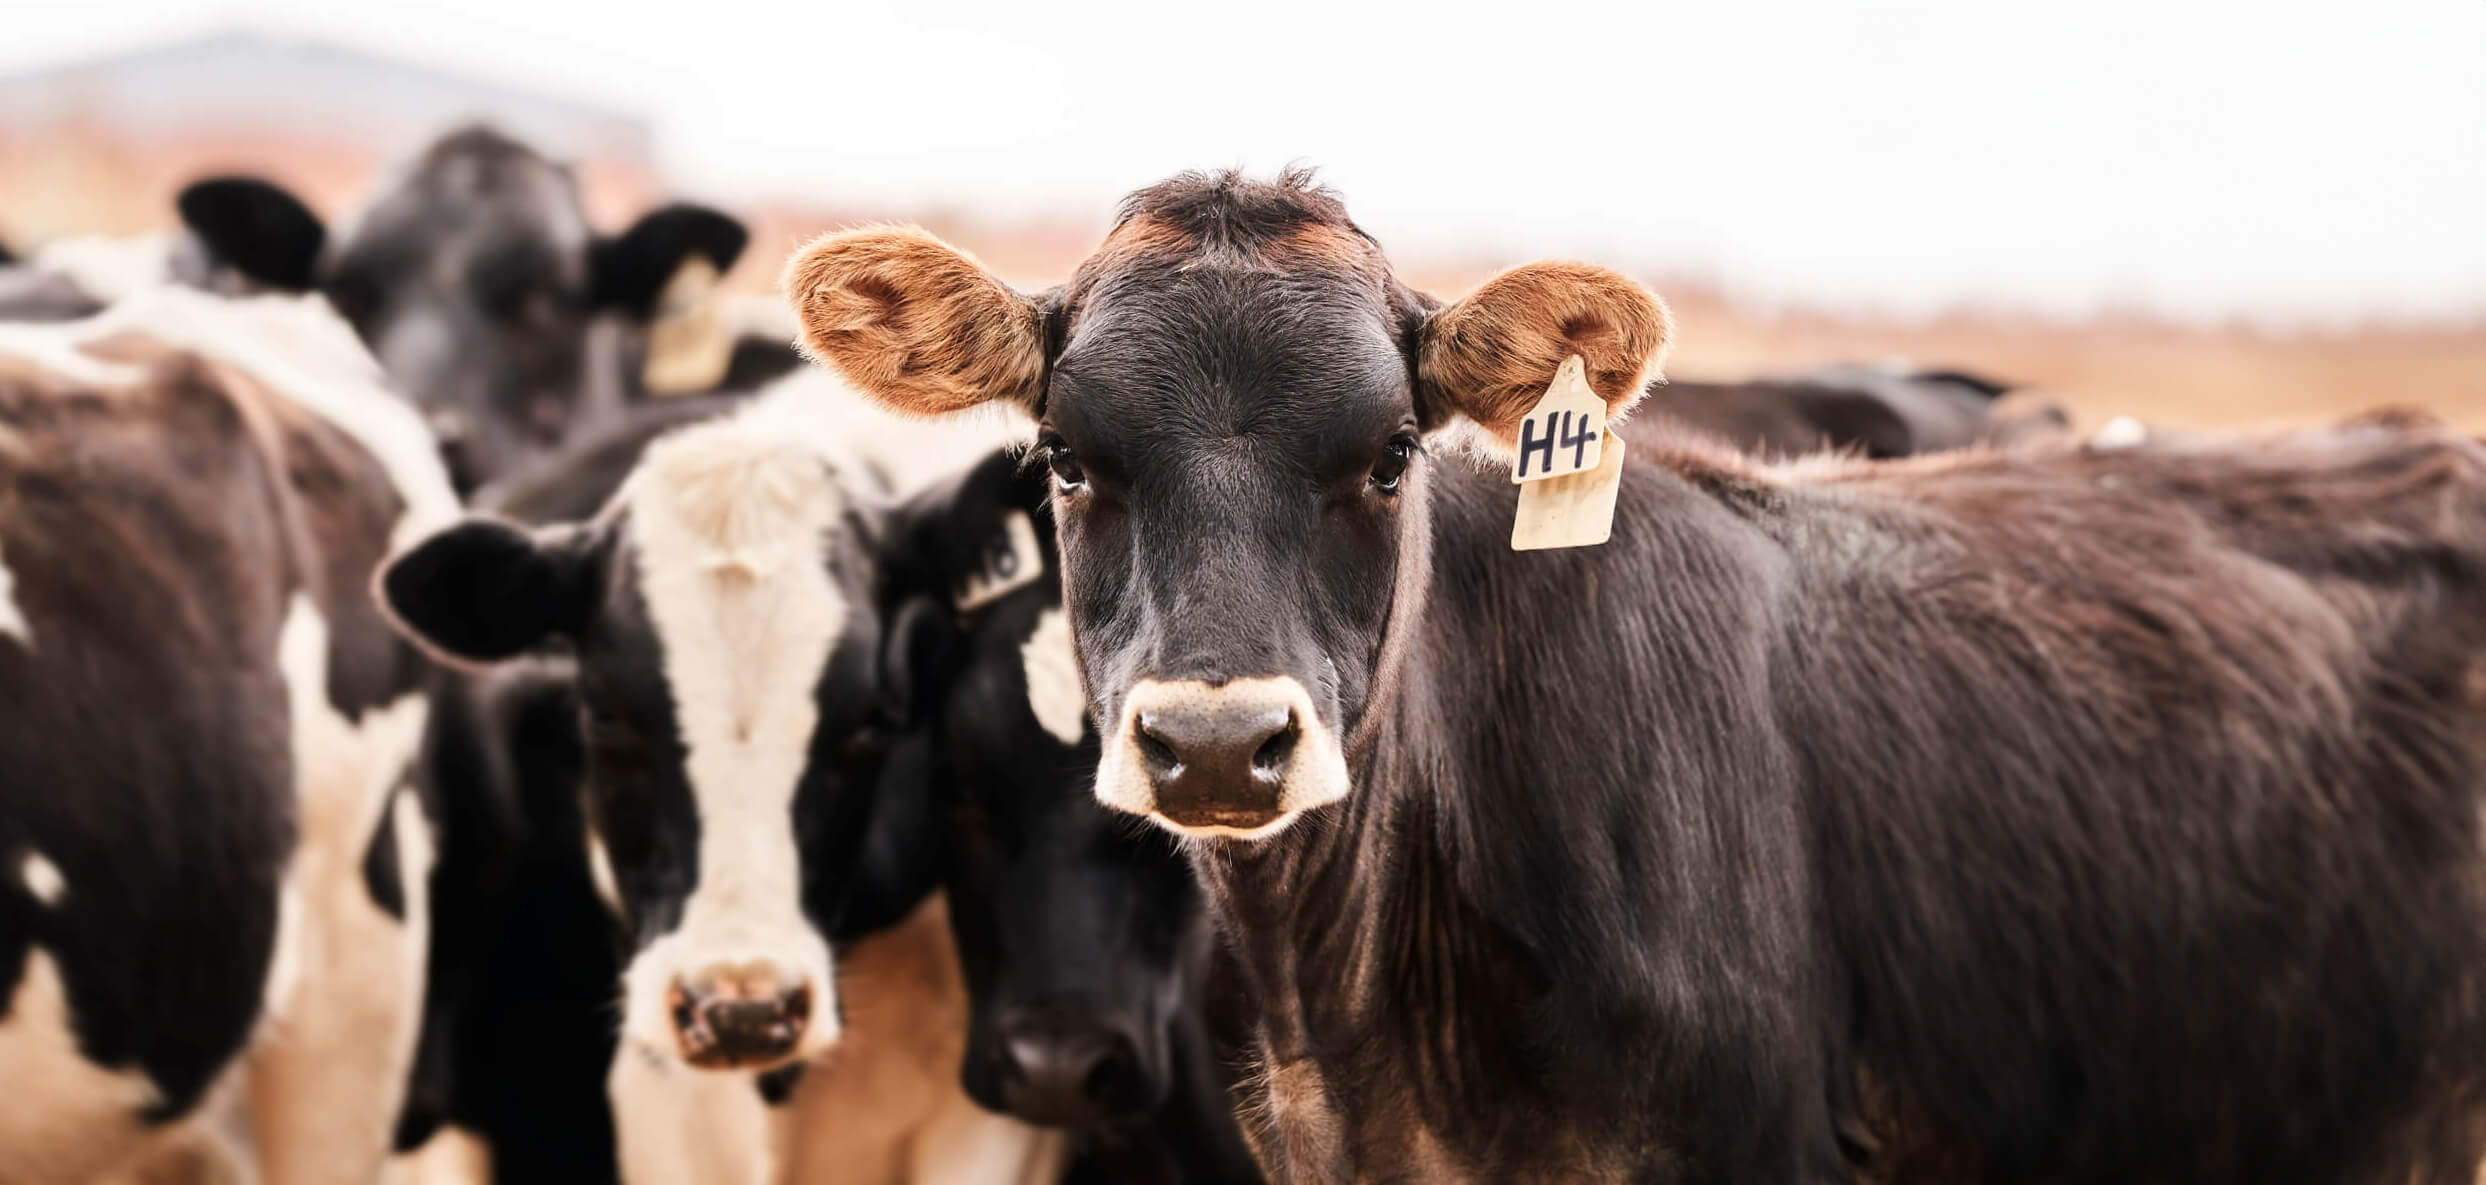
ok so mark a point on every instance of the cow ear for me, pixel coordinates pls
(628, 272)
(485, 590)
(1489, 357)
(257, 228)
(916, 323)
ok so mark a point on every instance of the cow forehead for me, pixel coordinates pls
(728, 529)
(470, 190)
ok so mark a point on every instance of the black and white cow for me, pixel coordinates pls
(213, 866)
(720, 614)
(474, 276)
(2066, 815)
(1085, 944)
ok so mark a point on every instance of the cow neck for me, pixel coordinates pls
(1379, 916)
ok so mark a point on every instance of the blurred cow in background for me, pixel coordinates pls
(1877, 412)
(213, 866)
(476, 279)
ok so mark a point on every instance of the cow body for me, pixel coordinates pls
(218, 858)
(2072, 817)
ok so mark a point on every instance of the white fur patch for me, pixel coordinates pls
(1315, 773)
(42, 878)
(66, 1118)
(913, 452)
(1054, 693)
(731, 520)
(328, 1071)
(110, 268)
(672, 1123)
(2122, 432)
(1011, 562)
(12, 619)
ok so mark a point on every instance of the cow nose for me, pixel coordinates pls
(1061, 1073)
(1218, 761)
(737, 1016)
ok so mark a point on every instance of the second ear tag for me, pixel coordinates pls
(1565, 431)
(688, 346)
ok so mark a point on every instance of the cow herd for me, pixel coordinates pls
(475, 707)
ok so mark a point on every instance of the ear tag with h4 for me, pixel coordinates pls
(1565, 432)
(1567, 484)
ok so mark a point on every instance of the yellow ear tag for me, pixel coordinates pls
(1573, 511)
(1569, 467)
(688, 348)
(1564, 433)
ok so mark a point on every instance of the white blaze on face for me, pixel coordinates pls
(730, 522)
(12, 619)
(1052, 668)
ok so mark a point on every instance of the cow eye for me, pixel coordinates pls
(1066, 471)
(1392, 466)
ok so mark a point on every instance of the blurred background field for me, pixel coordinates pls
(2143, 274)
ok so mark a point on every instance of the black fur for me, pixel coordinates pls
(256, 227)
(1067, 917)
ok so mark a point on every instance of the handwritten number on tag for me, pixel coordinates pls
(1561, 434)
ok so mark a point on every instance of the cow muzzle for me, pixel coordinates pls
(1239, 759)
(1064, 1068)
(739, 1015)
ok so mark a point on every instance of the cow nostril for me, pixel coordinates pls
(1107, 1080)
(1270, 757)
(1162, 761)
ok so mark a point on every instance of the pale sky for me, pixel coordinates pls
(2269, 160)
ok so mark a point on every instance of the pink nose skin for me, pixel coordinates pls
(734, 1018)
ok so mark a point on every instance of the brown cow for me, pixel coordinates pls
(2072, 817)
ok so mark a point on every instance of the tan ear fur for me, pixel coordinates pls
(1490, 356)
(916, 323)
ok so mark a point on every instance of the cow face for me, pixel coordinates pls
(1236, 397)
(1077, 929)
(476, 281)
(726, 643)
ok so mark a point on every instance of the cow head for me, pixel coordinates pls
(476, 281)
(1077, 930)
(1237, 398)
(721, 619)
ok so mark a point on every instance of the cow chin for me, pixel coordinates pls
(1141, 773)
(655, 985)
